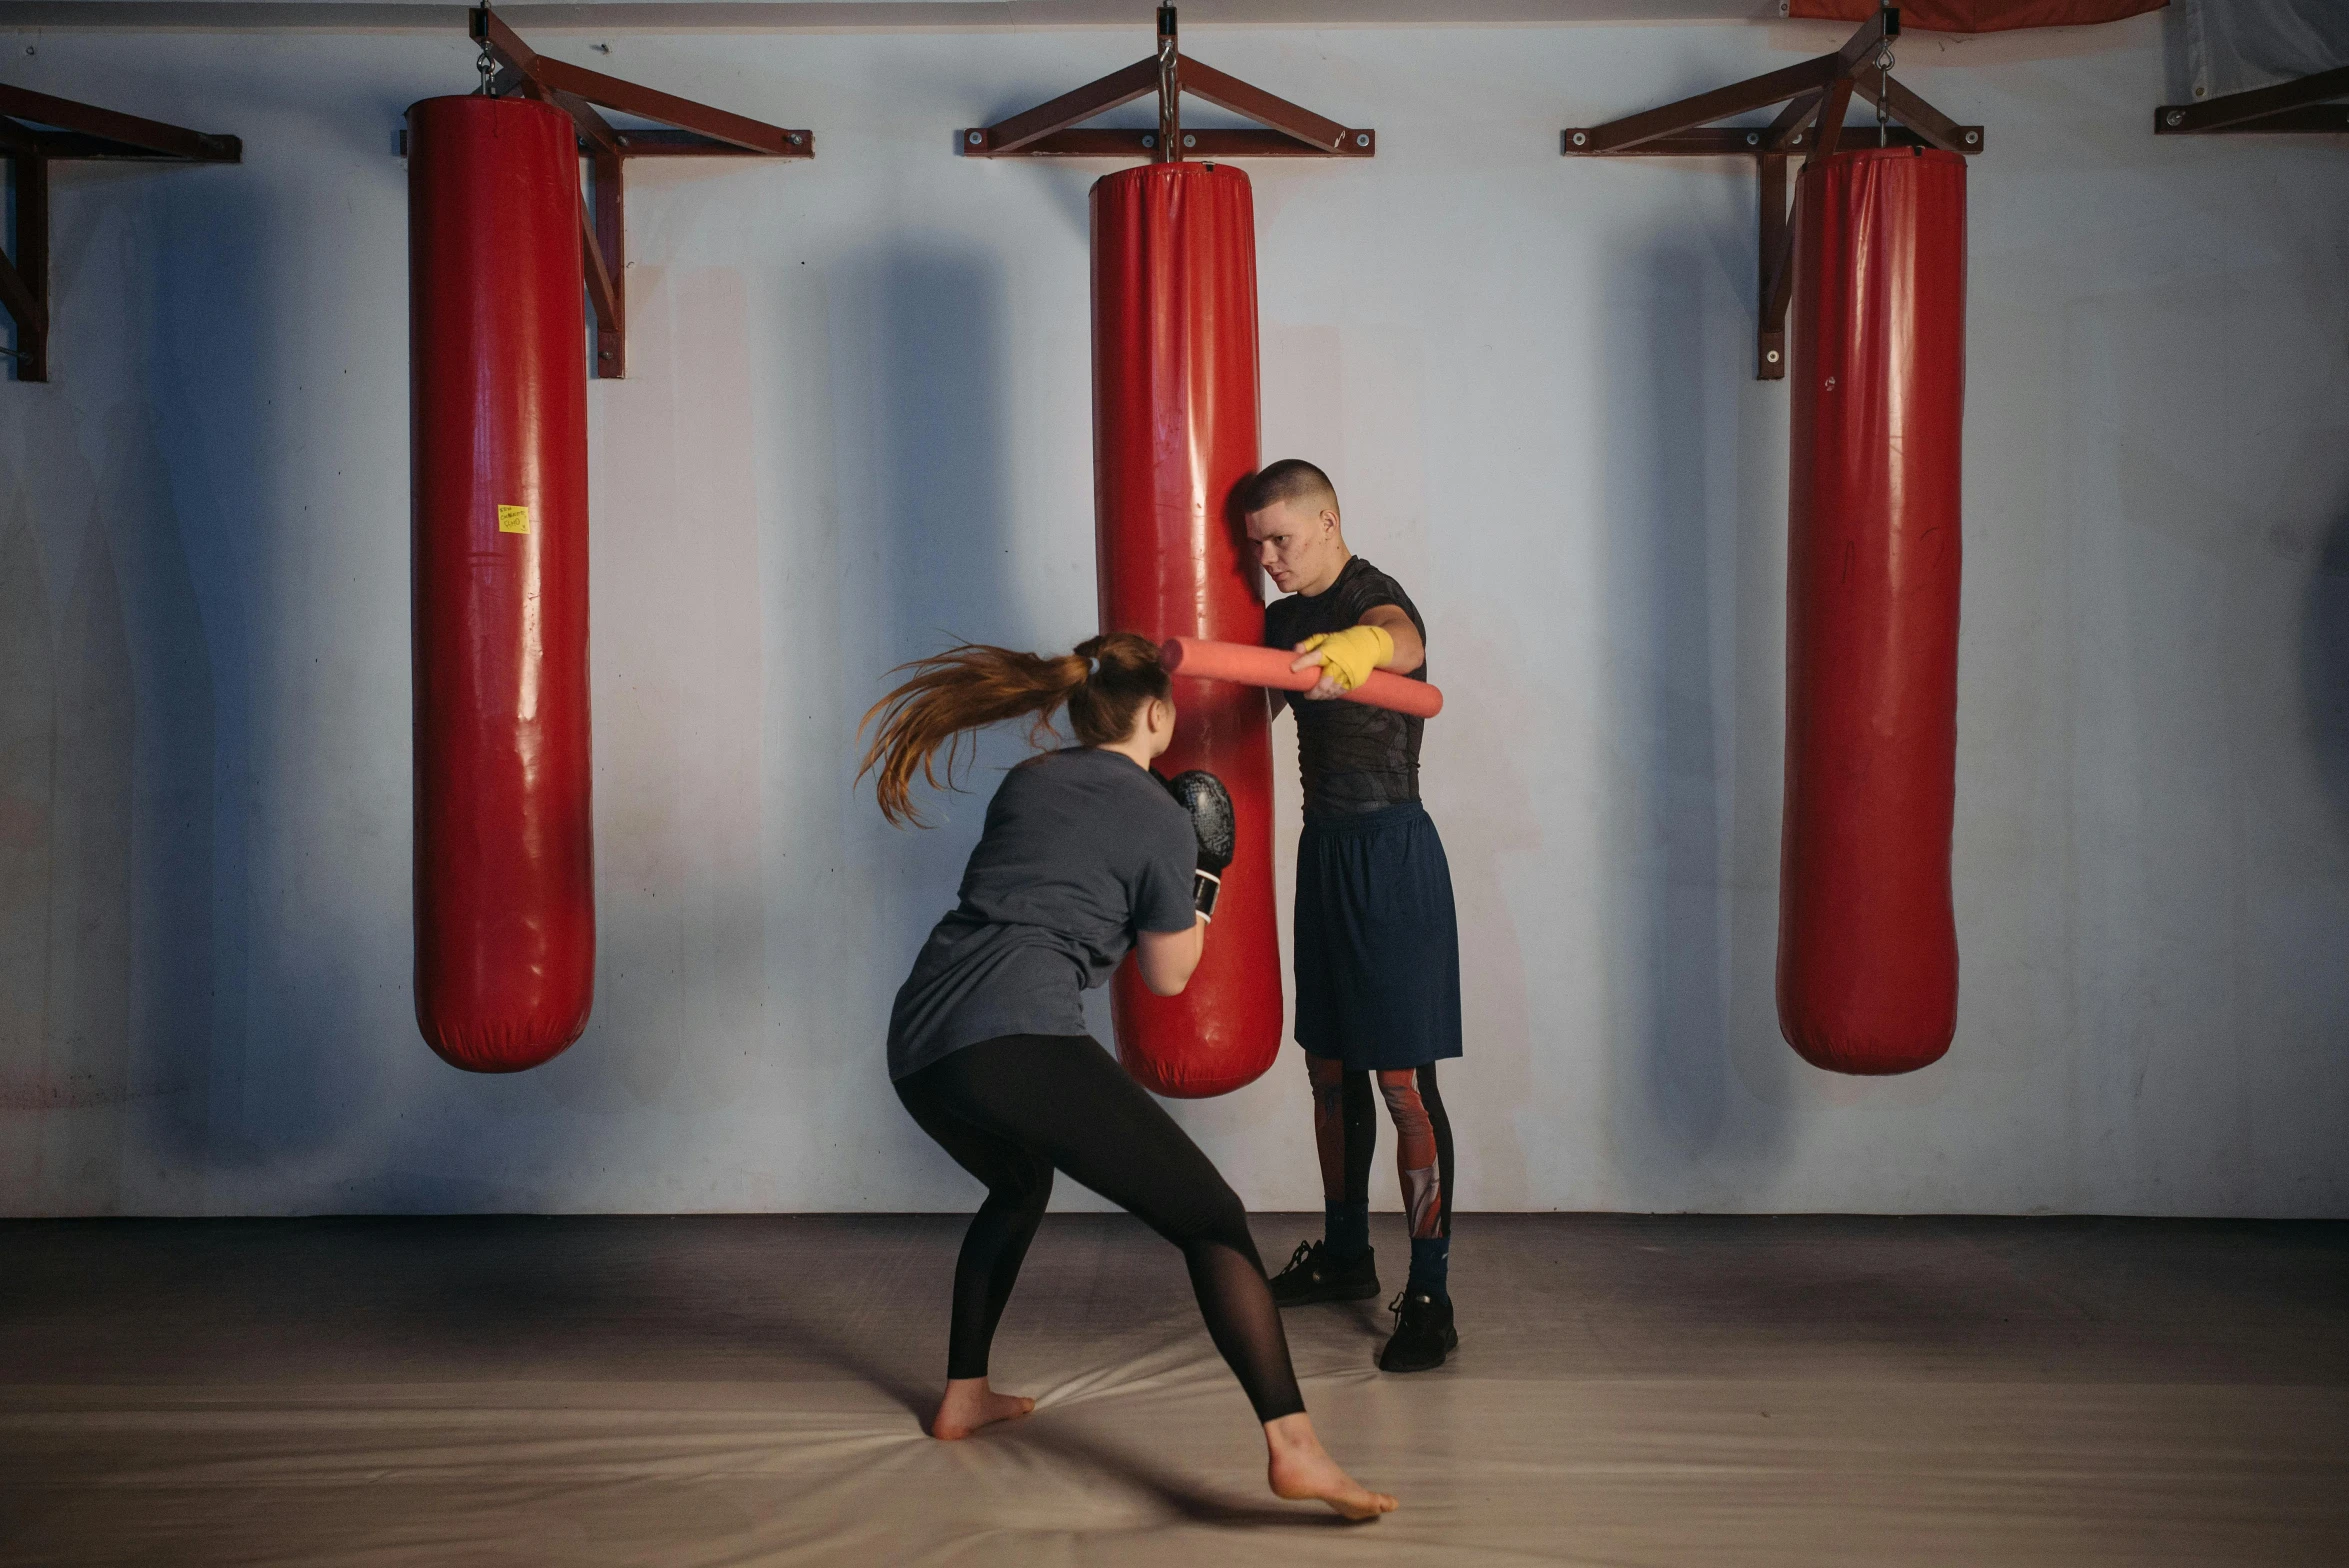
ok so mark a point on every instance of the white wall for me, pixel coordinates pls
(858, 424)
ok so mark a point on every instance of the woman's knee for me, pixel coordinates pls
(1220, 1219)
(1022, 1195)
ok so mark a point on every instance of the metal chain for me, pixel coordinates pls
(1883, 93)
(1170, 113)
(487, 65)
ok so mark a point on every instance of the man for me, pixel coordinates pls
(1377, 944)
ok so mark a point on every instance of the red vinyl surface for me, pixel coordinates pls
(1174, 432)
(1867, 946)
(1252, 665)
(505, 885)
(1981, 16)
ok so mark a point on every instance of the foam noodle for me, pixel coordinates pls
(1233, 661)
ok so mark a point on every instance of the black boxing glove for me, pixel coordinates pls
(1209, 805)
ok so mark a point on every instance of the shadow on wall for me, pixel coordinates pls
(1676, 1096)
(679, 670)
(108, 963)
(65, 1055)
(2324, 664)
(250, 950)
(943, 542)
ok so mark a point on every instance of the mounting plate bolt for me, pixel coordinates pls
(1581, 138)
(1770, 358)
(1361, 138)
(1830, 383)
(797, 139)
(1189, 140)
(1753, 139)
(2177, 117)
(1973, 137)
(976, 137)
(1149, 141)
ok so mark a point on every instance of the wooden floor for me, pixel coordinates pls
(1674, 1391)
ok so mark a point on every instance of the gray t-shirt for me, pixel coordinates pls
(1082, 849)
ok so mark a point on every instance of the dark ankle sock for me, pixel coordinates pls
(1431, 1264)
(1345, 1229)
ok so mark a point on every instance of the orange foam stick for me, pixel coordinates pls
(1234, 661)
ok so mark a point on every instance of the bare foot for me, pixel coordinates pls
(1300, 1469)
(970, 1404)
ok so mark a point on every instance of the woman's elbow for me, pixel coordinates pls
(1168, 979)
(1166, 965)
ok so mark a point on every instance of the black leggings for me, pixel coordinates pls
(1014, 1109)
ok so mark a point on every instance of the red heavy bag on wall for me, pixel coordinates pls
(1174, 432)
(1867, 947)
(505, 887)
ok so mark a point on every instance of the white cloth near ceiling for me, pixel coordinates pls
(2233, 46)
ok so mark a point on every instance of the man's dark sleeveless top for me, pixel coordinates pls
(1354, 758)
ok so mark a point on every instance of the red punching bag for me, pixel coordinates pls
(505, 887)
(1174, 432)
(1867, 946)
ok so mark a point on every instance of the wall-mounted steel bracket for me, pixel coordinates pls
(2295, 108)
(37, 130)
(1046, 131)
(1811, 98)
(694, 130)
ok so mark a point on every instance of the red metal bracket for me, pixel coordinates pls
(2295, 108)
(1814, 94)
(696, 131)
(1046, 131)
(37, 130)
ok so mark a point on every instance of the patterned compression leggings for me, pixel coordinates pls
(1345, 1133)
(1012, 1111)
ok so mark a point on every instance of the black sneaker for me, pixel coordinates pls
(1313, 1275)
(1424, 1334)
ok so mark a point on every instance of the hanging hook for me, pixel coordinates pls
(487, 63)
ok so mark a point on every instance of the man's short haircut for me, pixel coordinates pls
(1290, 479)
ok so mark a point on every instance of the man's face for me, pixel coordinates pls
(1296, 543)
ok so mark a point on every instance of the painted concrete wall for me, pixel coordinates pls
(858, 426)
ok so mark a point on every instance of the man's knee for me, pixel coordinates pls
(1401, 1092)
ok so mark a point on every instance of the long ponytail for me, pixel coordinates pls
(1103, 683)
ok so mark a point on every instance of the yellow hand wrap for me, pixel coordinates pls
(1348, 657)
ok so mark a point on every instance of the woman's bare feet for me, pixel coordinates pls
(970, 1404)
(1301, 1469)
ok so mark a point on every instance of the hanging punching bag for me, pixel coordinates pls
(505, 896)
(1174, 432)
(1867, 946)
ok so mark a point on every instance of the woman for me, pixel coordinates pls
(1085, 854)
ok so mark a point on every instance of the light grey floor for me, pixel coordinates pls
(1675, 1391)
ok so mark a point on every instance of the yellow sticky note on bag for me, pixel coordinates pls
(513, 519)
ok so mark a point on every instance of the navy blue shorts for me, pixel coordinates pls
(1377, 942)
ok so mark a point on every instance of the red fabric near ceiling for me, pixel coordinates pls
(505, 884)
(1174, 432)
(1980, 16)
(1867, 946)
